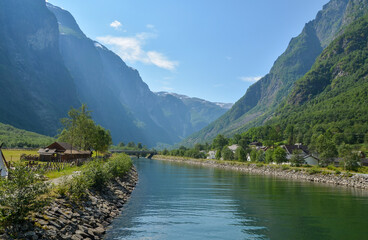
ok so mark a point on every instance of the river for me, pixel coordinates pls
(179, 201)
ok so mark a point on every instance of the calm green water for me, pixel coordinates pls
(178, 201)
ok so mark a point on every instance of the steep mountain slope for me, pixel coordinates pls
(191, 114)
(120, 100)
(262, 98)
(36, 88)
(333, 95)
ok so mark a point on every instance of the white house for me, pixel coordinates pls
(211, 155)
(3, 165)
(233, 147)
(308, 157)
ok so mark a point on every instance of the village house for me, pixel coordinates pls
(255, 145)
(211, 155)
(63, 152)
(3, 165)
(233, 147)
(308, 157)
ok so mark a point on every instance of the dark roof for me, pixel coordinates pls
(61, 146)
(291, 148)
(256, 144)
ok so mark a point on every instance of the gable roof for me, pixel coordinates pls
(291, 148)
(61, 146)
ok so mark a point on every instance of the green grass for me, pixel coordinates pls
(12, 155)
(65, 172)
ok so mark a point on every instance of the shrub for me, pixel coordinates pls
(97, 174)
(314, 170)
(119, 165)
(20, 194)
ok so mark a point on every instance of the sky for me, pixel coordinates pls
(211, 49)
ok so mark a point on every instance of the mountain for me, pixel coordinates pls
(13, 137)
(193, 114)
(333, 95)
(119, 98)
(36, 87)
(263, 98)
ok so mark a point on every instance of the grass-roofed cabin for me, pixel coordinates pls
(62, 151)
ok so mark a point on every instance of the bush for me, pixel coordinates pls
(119, 165)
(96, 175)
(20, 194)
(314, 170)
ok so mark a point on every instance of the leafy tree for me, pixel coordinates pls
(121, 144)
(165, 152)
(279, 155)
(253, 155)
(260, 156)
(350, 160)
(269, 156)
(241, 154)
(131, 145)
(218, 154)
(227, 154)
(20, 194)
(219, 142)
(102, 139)
(297, 158)
(326, 149)
(139, 145)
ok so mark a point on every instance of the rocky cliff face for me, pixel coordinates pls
(36, 88)
(262, 98)
(116, 94)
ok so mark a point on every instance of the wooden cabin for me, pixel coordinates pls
(60, 151)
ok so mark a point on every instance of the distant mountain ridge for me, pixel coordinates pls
(47, 65)
(263, 98)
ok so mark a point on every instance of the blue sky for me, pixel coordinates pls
(212, 49)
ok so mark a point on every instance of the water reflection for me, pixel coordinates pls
(176, 201)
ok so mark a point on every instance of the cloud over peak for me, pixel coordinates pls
(131, 49)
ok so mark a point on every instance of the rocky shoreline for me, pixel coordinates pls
(359, 181)
(89, 219)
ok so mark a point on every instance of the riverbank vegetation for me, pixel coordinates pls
(26, 191)
(267, 145)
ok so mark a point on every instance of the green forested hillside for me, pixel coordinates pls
(262, 99)
(333, 95)
(13, 137)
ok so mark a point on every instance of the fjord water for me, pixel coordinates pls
(179, 201)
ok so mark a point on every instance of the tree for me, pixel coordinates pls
(139, 145)
(326, 149)
(350, 160)
(218, 154)
(82, 132)
(219, 142)
(260, 156)
(131, 145)
(102, 139)
(269, 156)
(20, 194)
(279, 155)
(227, 154)
(297, 158)
(241, 154)
(253, 155)
(121, 144)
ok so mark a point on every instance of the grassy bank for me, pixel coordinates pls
(308, 169)
(25, 192)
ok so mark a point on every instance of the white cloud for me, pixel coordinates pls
(150, 26)
(116, 25)
(250, 79)
(131, 49)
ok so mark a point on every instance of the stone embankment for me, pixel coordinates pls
(89, 219)
(349, 180)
